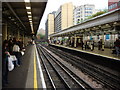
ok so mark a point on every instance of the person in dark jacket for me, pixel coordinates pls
(100, 44)
(10, 45)
(5, 55)
(117, 46)
(82, 44)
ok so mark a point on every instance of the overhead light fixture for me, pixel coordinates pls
(29, 16)
(30, 22)
(29, 12)
(27, 0)
(30, 19)
(28, 7)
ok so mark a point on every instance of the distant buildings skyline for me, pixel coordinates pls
(68, 15)
(82, 12)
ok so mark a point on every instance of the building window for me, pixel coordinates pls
(112, 6)
(88, 8)
(88, 11)
(78, 13)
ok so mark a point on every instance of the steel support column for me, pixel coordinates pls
(4, 31)
(103, 44)
(75, 42)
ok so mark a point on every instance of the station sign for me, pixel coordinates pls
(107, 36)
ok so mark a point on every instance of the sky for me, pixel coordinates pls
(53, 5)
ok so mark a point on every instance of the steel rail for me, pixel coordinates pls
(66, 85)
(68, 72)
(15, 14)
(48, 73)
(83, 68)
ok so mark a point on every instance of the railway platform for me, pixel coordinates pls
(28, 74)
(107, 53)
(42, 68)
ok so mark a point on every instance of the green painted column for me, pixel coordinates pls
(103, 44)
(23, 39)
(4, 31)
(18, 35)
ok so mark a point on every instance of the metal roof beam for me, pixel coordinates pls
(15, 14)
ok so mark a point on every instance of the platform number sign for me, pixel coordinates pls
(91, 38)
(107, 36)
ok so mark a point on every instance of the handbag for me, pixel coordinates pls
(22, 53)
(10, 64)
(13, 57)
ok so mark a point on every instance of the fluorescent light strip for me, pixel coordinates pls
(29, 12)
(29, 16)
(30, 19)
(28, 7)
(27, 0)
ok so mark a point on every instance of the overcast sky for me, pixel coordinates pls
(53, 5)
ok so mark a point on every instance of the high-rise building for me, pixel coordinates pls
(113, 4)
(50, 24)
(64, 17)
(82, 12)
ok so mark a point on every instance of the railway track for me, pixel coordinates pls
(59, 75)
(107, 79)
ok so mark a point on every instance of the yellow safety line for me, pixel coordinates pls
(35, 74)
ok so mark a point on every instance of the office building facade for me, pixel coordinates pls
(64, 17)
(82, 12)
(49, 25)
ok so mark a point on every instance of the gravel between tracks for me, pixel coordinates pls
(79, 73)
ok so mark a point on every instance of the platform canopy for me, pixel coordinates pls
(25, 16)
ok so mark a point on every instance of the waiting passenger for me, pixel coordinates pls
(14, 40)
(100, 44)
(86, 45)
(20, 43)
(16, 52)
(117, 46)
(82, 44)
(5, 55)
(10, 45)
(92, 44)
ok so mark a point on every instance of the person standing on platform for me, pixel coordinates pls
(5, 55)
(82, 44)
(10, 45)
(16, 52)
(92, 44)
(100, 44)
(117, 46)
(86, 44)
